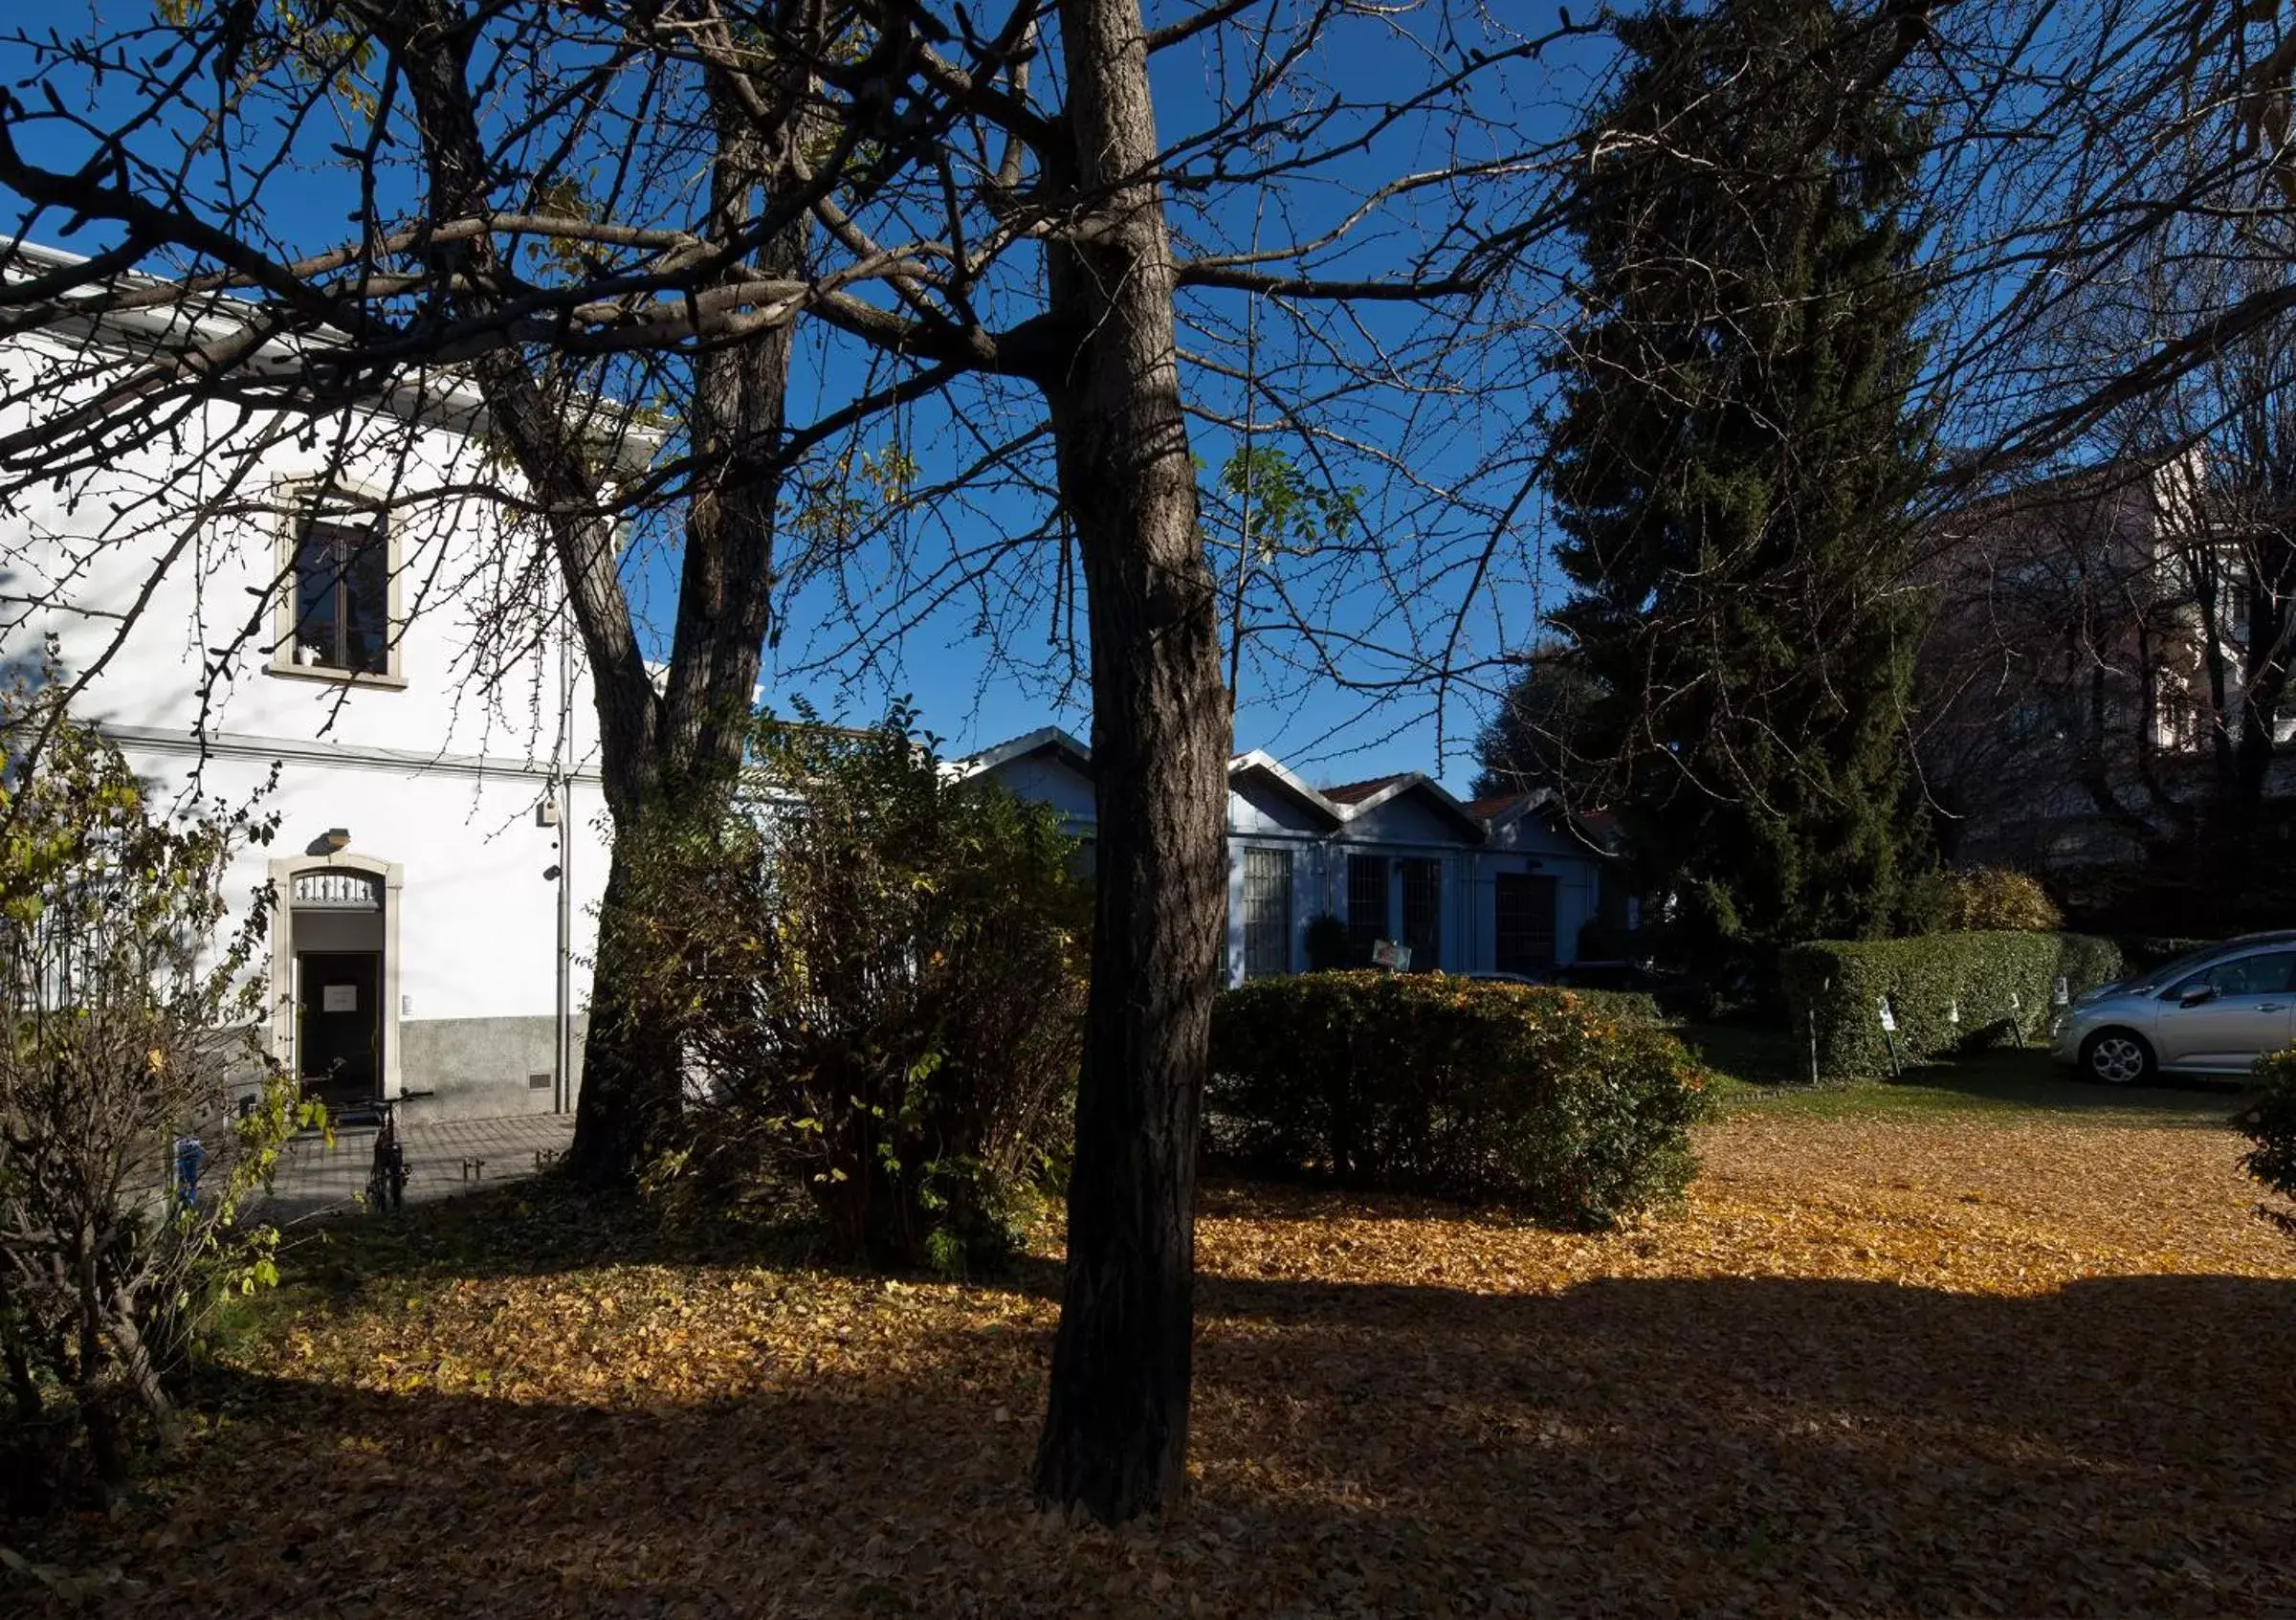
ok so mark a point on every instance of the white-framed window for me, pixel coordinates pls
(339, 607)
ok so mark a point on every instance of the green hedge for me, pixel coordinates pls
(1550, 1100)
(1989, 979)
(2269, 1122)
(1637, 1006)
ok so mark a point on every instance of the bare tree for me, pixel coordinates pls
(993, 259)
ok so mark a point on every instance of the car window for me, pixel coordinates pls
(2173, 970)
(2269, 973)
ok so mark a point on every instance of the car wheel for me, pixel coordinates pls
(2119, 1057)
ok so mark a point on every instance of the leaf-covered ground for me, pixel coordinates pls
(2033, 1364)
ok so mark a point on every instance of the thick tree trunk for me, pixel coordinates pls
(1115, 1432)
(632, 1073)
(629, 1102)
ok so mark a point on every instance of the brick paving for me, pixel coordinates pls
(442, 1159)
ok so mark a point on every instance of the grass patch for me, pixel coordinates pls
(1755, 1070)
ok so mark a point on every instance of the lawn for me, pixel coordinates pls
(1996, 1360)
(1757, 1069)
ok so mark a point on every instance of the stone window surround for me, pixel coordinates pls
(301, 498)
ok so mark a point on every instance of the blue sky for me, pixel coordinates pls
(1395, 580)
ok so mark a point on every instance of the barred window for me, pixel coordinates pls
(1267, 913)
(1366, 906)
(1423, 912)
(1525, 918)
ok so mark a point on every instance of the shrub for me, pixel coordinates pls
(1947, 991)
(1536, 1097)
(1637, 1006)
(1984, 899)
(2270, 1123)
(875, 971)
(130, 1013)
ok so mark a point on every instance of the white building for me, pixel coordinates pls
(250, 592)
(1499, 885)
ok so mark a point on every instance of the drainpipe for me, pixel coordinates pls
(562, 1046)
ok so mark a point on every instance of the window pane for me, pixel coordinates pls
(1525, 923)
(316, 639)
(1267, 913)
(1366, 904)
(343, 597)
(1423, 912)
(2254, 976)
(366, 602)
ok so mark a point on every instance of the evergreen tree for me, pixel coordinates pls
(1538, 737)
(1735, 455)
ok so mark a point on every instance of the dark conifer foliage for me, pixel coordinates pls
(1735, 453)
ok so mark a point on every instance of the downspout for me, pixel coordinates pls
(561, 1065)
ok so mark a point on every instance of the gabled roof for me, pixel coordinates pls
(1259, 762)
(1362, 798)
(1044, 739)
(1499, 808)
(1356, 792)
(1337, 806)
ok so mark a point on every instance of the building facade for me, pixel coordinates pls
(1499, 885)
(317, 614)
(2104, 666)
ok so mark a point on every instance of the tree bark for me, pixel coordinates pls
(1115, 1432)
(666, 752)
(632, 1069)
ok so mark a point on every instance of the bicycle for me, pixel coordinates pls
(387, 1178)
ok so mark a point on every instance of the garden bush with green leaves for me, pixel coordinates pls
(1543, 1099)
(875, 970)
(131, 1007)
(1947, 992)
(2270, 1123)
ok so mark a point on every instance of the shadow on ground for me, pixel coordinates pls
(1725, 1445)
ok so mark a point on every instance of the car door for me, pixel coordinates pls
(2227, 1016)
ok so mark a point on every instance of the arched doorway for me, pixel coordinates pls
(335, 976)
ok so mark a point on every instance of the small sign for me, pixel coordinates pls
(338, 998)
(2063, 996)
(1392, 955)
(1888, 1017)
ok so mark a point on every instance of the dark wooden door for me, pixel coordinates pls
(341, 1047)
(1525, 908)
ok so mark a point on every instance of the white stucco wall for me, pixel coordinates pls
(437, 771)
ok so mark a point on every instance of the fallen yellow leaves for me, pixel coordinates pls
(1875, 1367)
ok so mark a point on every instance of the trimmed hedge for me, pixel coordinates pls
(2270, 1123)
(1990, 979)
(1550, 1100)
(1634, 1007)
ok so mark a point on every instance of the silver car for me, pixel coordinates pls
(2211, 1011)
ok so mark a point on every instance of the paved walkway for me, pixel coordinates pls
(442, 1159)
